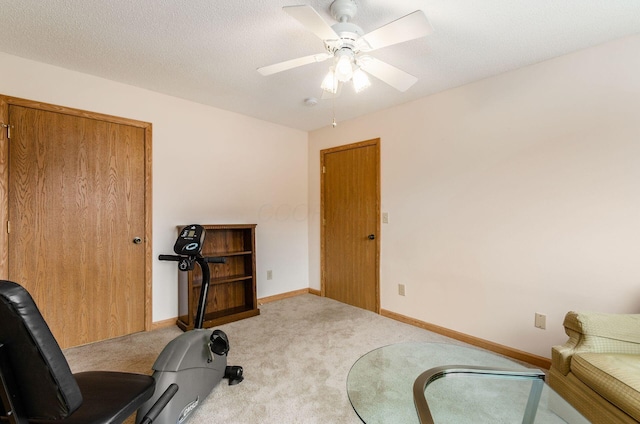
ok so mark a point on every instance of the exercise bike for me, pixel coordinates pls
(193, 363)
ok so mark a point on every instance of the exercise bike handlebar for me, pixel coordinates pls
(207, 259)
(215, 259)
(174, 258)
(159, 405)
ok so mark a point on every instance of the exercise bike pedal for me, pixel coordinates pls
(234, 374)
(219, 343)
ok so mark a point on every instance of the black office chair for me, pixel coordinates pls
(37, 383)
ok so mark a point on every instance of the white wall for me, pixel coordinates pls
(513, 195)
(241, 170)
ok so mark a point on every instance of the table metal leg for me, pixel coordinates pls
(433, 374)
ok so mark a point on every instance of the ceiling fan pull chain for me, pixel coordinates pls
(333, 107)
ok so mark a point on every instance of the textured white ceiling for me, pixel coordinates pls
(208, 50)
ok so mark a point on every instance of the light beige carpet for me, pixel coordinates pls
(296, 357)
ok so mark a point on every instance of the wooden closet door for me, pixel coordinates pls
(76, 203)
(350, 231)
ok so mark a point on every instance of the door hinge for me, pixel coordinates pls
(324, 169)
(8, 127)
(8, 227)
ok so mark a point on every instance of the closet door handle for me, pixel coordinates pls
(371, 237)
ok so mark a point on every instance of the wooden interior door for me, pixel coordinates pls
(76, 202)
(351, 225)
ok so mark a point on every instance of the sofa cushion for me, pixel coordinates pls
(610, 327)
(615, 376)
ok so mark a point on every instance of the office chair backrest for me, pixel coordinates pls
(45, 383)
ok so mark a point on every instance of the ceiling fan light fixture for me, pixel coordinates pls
(344, 68)
(330, 83)
(360, 80)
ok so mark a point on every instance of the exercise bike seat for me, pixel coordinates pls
(38, 385)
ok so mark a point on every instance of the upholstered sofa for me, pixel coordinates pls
(598, 369)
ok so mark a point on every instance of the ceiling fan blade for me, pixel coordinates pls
(400, 80)
(409, 27)
(311, 20)
(293, 63)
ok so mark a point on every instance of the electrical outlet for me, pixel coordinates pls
(269, 274)
(385, 217)
(541, 321)
(401, 289)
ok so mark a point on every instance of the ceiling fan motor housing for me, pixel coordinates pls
(343, 10)
(349, 35)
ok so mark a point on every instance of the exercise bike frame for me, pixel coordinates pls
(204, 290)
(184, 362)
(186, 263)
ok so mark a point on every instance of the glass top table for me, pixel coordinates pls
(381, 384)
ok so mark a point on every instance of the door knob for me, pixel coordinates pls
(372, 236)
(137, 240)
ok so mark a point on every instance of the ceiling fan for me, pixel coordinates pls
(349, 46)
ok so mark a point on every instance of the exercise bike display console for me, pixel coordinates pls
(188, 248)
(190, 240)
(195, 361)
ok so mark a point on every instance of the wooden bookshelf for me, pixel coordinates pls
(232, 292)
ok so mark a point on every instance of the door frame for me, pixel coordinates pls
(373, 142)
(5, 102)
